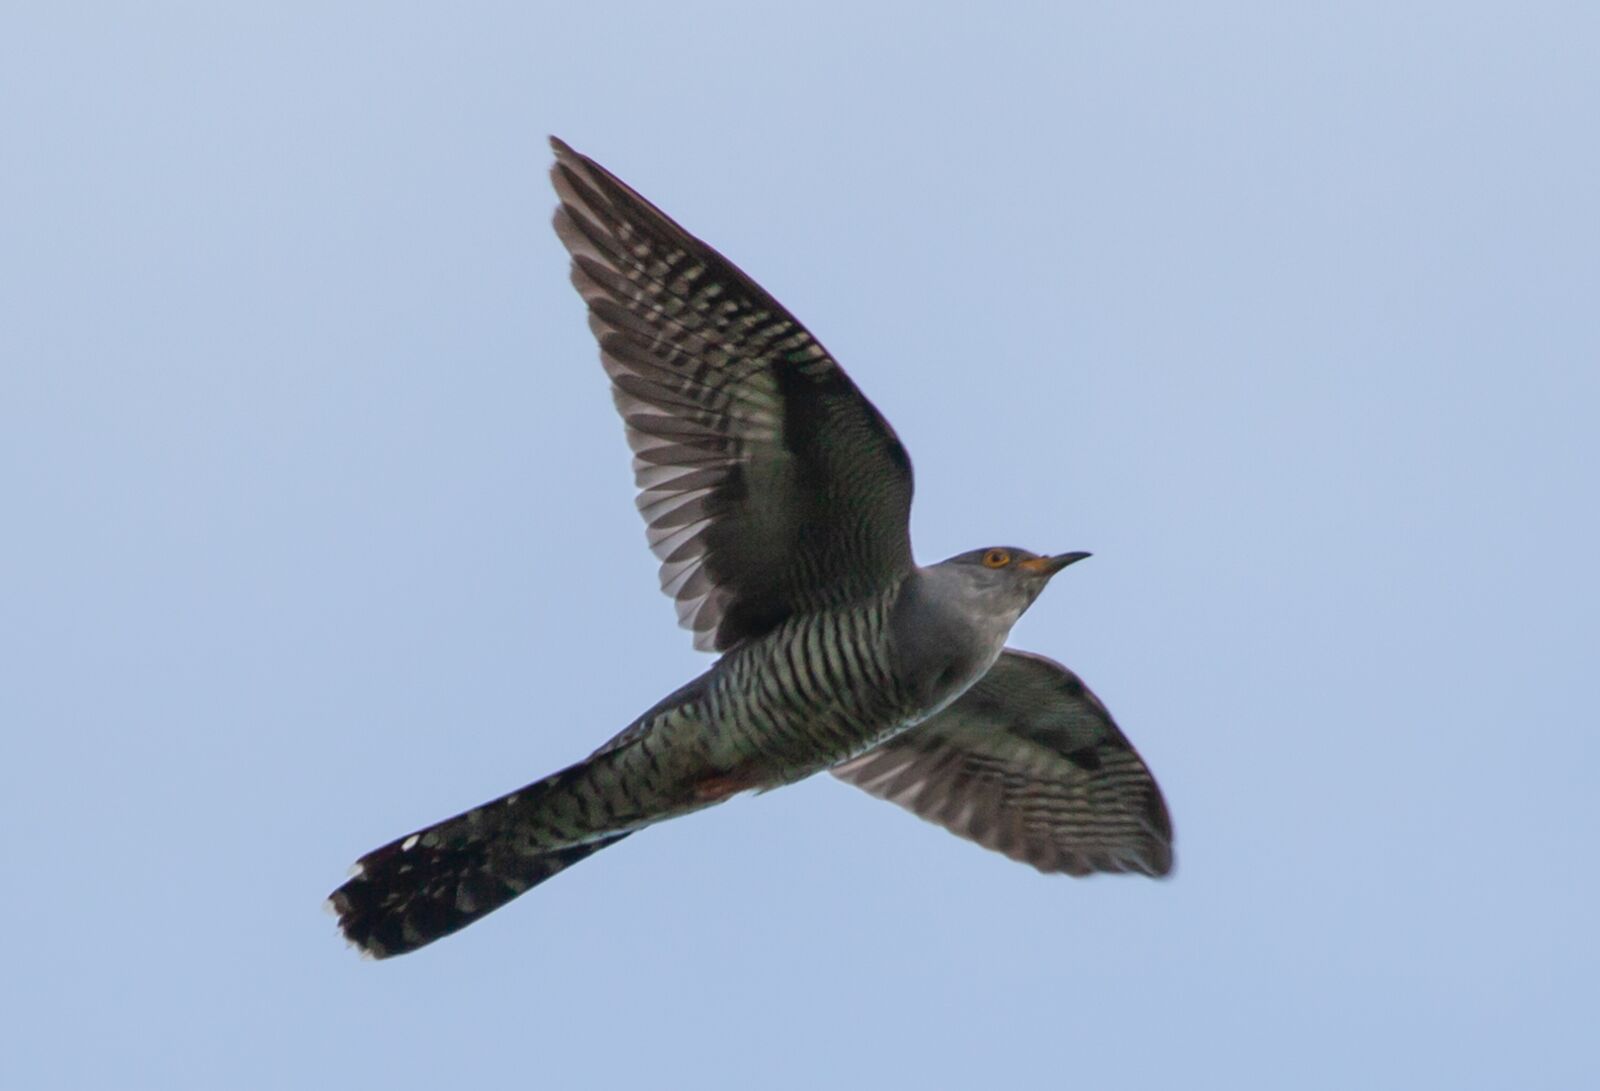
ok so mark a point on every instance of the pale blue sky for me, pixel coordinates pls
(319, 527)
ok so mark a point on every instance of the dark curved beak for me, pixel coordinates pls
(1049, 566)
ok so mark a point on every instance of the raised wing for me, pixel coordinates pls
(1027, 762)
(769, 485)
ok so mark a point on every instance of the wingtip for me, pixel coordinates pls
(566, 162)
(567, 156)
(1166, 862)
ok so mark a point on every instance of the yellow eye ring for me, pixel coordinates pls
(996, 558)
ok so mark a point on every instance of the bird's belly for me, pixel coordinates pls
(776, 743)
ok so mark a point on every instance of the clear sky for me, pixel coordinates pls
(319, 526)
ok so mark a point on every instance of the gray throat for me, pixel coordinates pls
(945, 634)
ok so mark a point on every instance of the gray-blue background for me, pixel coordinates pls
(318, 526)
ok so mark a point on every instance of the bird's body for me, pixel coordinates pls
(776, 498)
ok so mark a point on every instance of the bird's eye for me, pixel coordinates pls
(997, 558)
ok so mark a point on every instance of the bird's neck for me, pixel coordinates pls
(944, 635)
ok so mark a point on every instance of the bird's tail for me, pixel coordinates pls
(433, 882)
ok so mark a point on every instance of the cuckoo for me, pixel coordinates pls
(777, 497)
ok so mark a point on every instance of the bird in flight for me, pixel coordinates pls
(777, 499)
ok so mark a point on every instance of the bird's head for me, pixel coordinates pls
(1013, 577)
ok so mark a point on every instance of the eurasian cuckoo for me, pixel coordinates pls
(776, 498)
